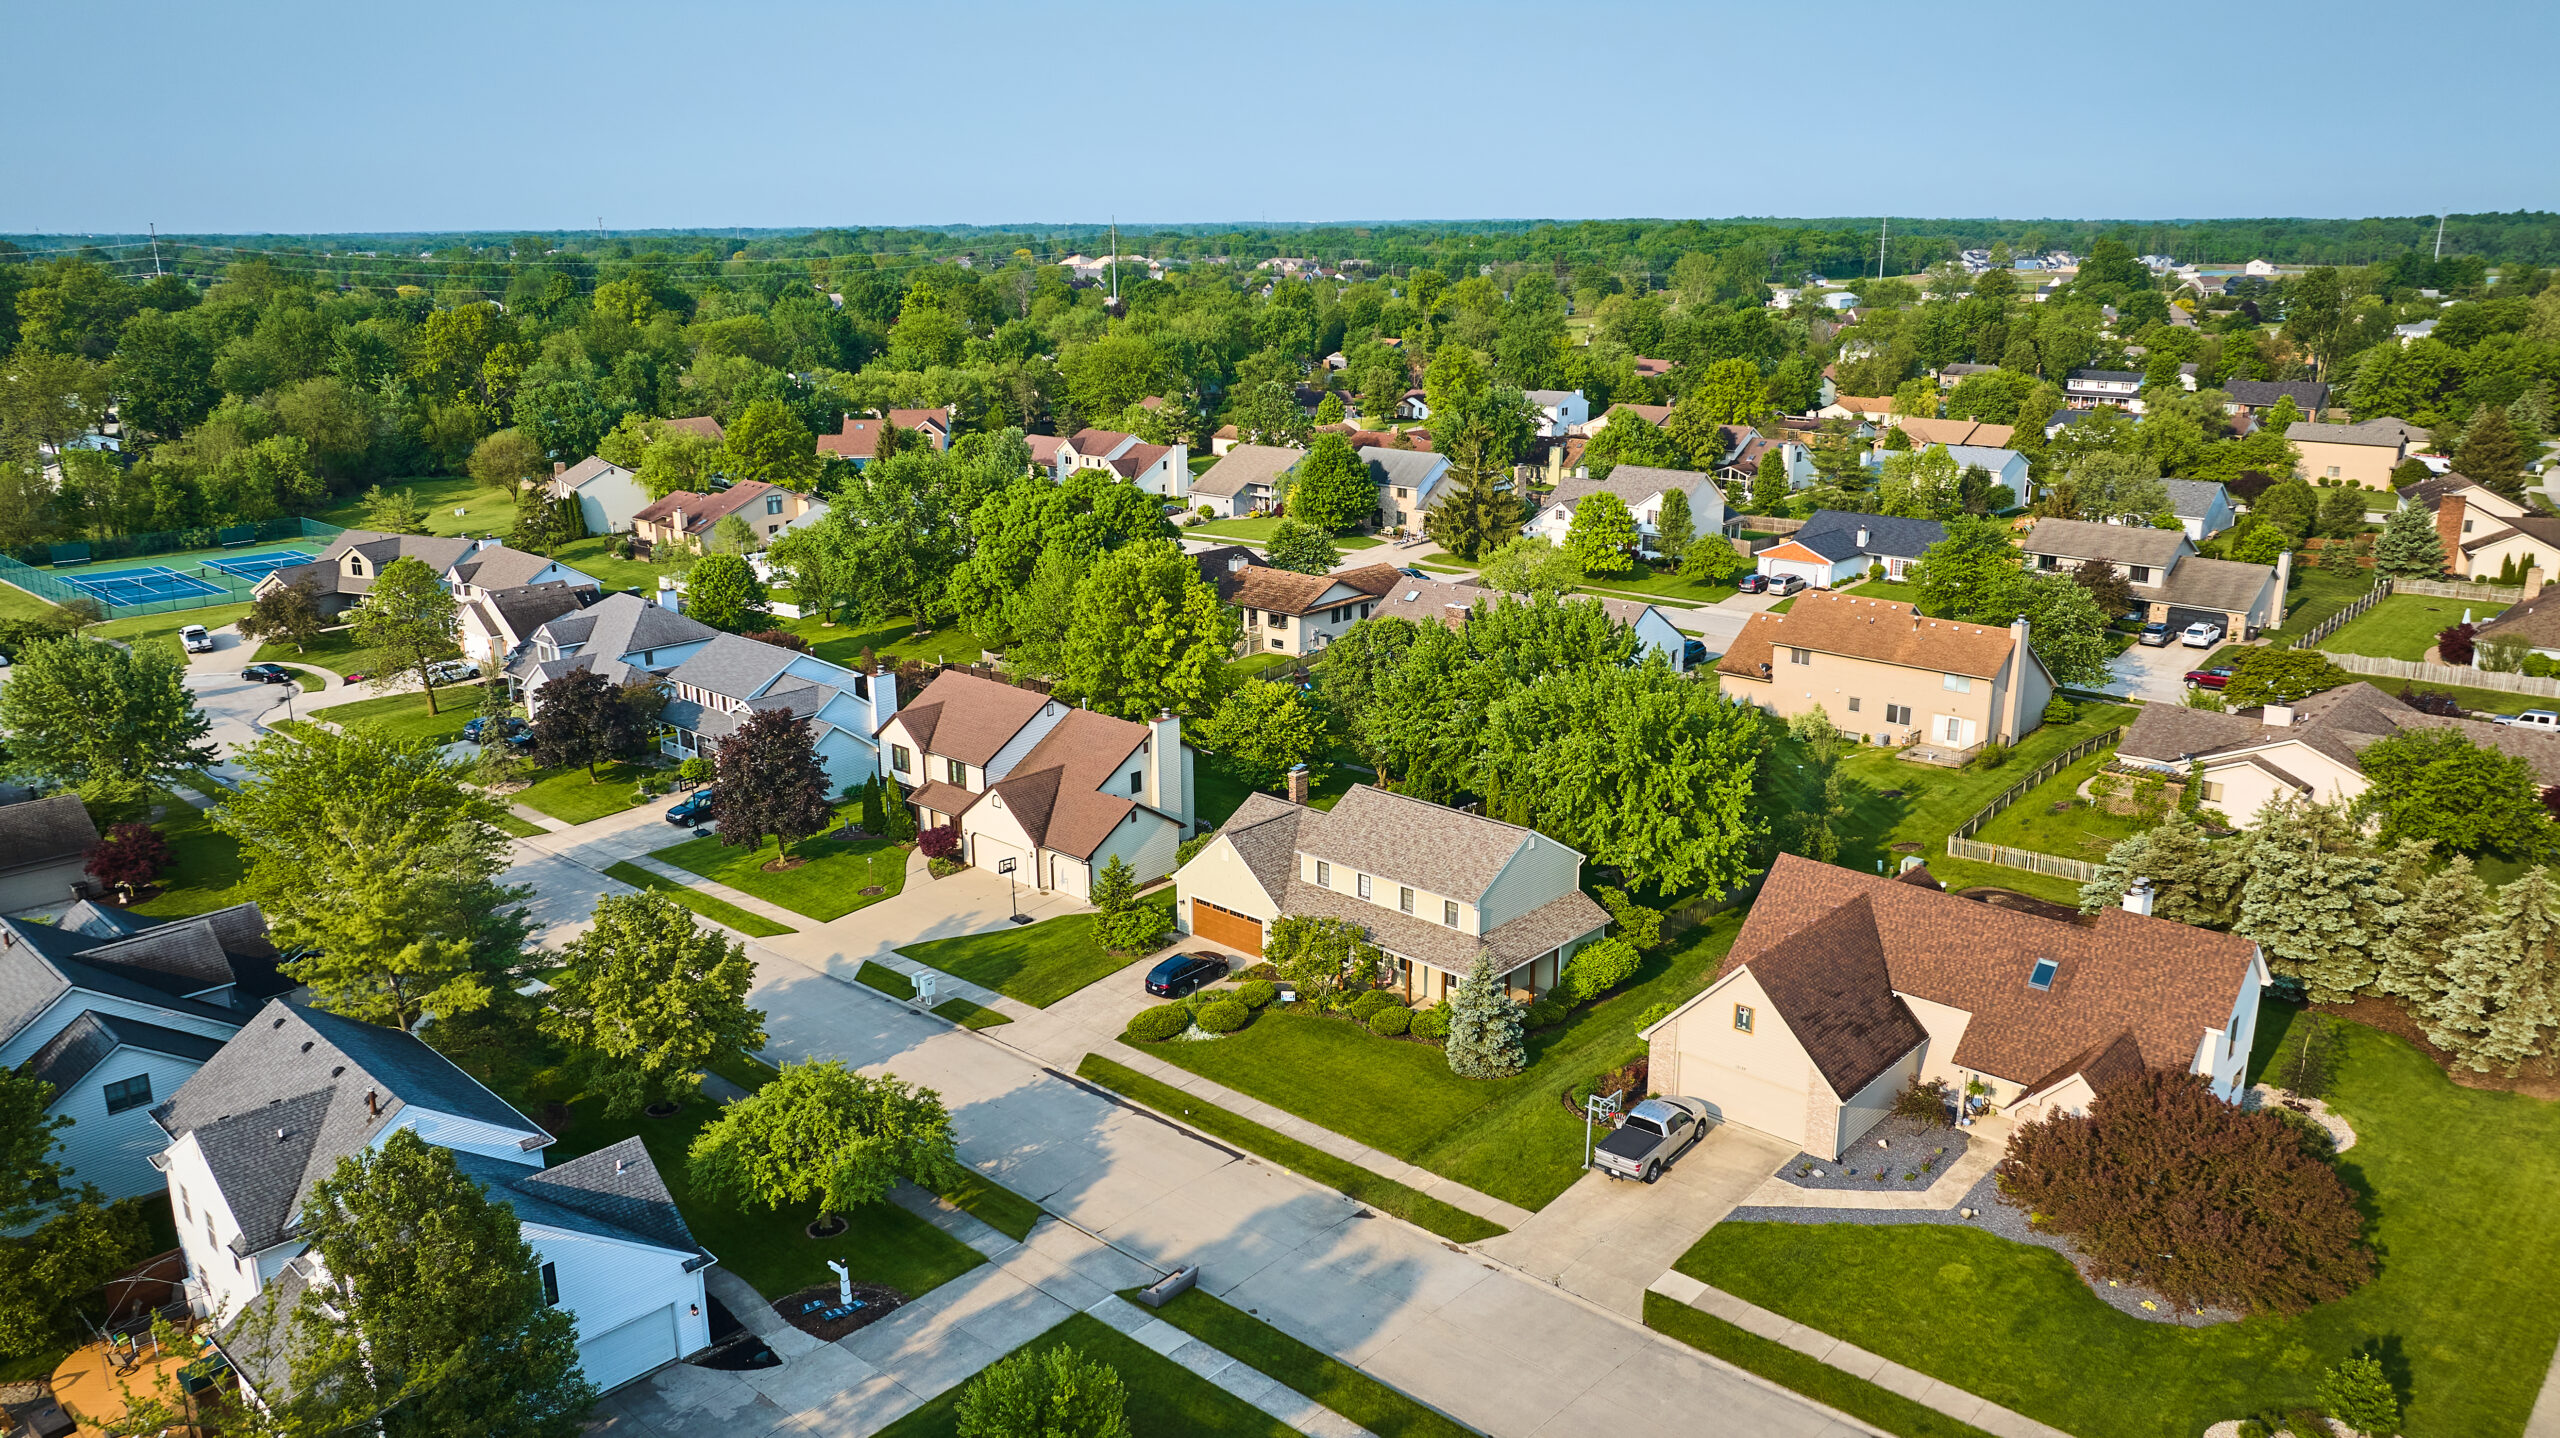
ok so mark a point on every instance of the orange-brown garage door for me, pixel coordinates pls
(1226, 926)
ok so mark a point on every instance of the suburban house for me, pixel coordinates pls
(116, 1010)
(859, 440)
(700, 424)
(1432, 887)
(2356, 453)
(1869, 409)
(687, 519)
(1221, 563)
(301, 1088)
(1042, 790)
(1408, 483)
(1162, 469)
(607, 494)
(1559, 411)
(725, 679)
(44, 851)
(1885, 672)
(1836, 548)
(2485, 534)
(1652, 414)
(1044, 453)
(1642, 488)
(2005, 466)
(468, 568)
(623, 637)
(2536, 618)
(1843, 988)
(494, 628)
(2306, 750)
(1955, 374)
(1926, 432)
(1791, 454)
(2257, 396)
(1437, 601)
(2203, 507)
(1286, 612)
(1413, 408)
(2088, 388)
(2173, 585)
(1244, 479)
(1651, 368)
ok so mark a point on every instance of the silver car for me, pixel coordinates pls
(1652, 1134)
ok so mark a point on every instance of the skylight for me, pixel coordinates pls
(2042, 977)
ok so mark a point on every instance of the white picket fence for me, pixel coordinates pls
(2028, 859)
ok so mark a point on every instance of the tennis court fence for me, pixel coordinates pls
(207, 584)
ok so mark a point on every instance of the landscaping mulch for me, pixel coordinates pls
(806, 1309)
(1896, 1149)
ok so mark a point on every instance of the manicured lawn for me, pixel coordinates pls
(16, 603)
(2314, 595)
(968, 1015)
(2405, 626)
(1338, 1386)
(887, 980)
(570, 797)
(1809, 1376)
(718, 911)
(208, 873)
(1218, 793)
(2084, 831)
(896, 640)
(1670, 588)
(2457, 1182)
(1037, 963)
(158, 628)
(594, 556)
(1258, 531)
(329, 649)
(1166, 1400)
(515, 828)
(827, 884)
(1383, 1194)
(484, 510)
(405, 716)
(1000, 1208)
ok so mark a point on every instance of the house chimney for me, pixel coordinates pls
(2533, 581)
(2137, 900)
(2015, 715)
(2276, 716)
(1862, 538)
(373, 1103)
(1298, 784)
(2449, 516)
(884, 696)
(2284, 580)
(559, 466)
(1168, 783)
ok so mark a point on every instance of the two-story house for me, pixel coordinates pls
(686, 519)
(494, 628)
(715, 687)
(859, 440)
(2089, 388)
(115, 1010)
(1642, 487)
(1244, 479)
(1886, 672)
(44, 851)
(1409, 483)
(2257, 396)
(1040, 790)
(2362, 454)
(623, 637)
(1559, 411)
(469, 569)
(2169, 580)
(2485, 534)
(300, 1088)
(1285, 612)
(1432, 887)
(607, 494)
(1437, 601)
(1159, 469)
(1925, 432)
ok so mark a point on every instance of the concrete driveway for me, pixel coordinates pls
(2156, 675)
(242, 709)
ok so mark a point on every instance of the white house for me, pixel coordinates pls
(2006, 466)
(1642, 488)
(300, 1088)
(1437, 601)
(713, 690)
(495, 628)
(1840, 300)
(1161, 469)
(622, 636)
(1559, 411)
(1244, 479)
(608, 495)
(2203, 507)
(44, 851)
(1836, 548)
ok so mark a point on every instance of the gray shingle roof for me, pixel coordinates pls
(614, 1192)
(1413, 841)
(1410, 468)
(86, 1041)
(2388, 432)
(733, 667)
(1246, 464)
(2224, 584)
(1833, 534)
(2115, 543)
(621, 624)
(45, 831)
(2339, 723)
(2191, 498)
(2311, 397)
(124, 956)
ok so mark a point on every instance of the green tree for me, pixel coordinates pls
(1321, 957)
(1059, 1393)
(1367, 655)
(393, 511)
(2194, 879)
(1333, 489)
(2318, 899)
(1261, 731)
(2280, 676)
(2409, 547)
(112, 722)
(2438, 910)
(2491, 454)
(819, 1133)
(771, 783)
(1484, 1026)
(722, 590)
(508, 460)
(49, 1279)
(770, 443)
(1147, 634)
(2497, 992)
(581, 719)
(2436, 785)
(650, 997)
(1529, 564)
(680, 460)
(1966, 574)
(1481, 426)
(1629, 439)
(1602, 538)
(1269, 414)
(1674, 530)
(1123, 922)
(407, 620)
(2359, 1394)
(1301, 548)
(2066, 628)
(1730, 392)
(31, 1170)
(1329, 410)
(1772, 488)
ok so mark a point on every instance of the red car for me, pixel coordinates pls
(2208, 678)
(357, 678)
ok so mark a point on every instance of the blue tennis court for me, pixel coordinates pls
(254, 567)
(145, 585)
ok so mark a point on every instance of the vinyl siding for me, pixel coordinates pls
(1541, 872)
(1761, 1080)
(1218, 875)
(75, 1002)
(1051, 715)
(113, 1150)
(469, 1135)
(605, 1283)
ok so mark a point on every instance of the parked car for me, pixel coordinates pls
(2203, 634)
(1693, 654)
(695, 807)
(1652, 1134)
(356, 678)
(2213, 678)
(1179, 974)
(1752, 584)
(195, 640)
(507, 728)
(1786, 583)
(452, 671)
(1409, 572)
(2532, 719)
(268, 674)
(2155, 633)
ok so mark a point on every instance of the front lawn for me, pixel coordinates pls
(1511, 1137)
(1653, 584)
(1166, 1400)
(2084, 831)
(1258, 532)
(827, 884)
(568, 796)
(1037, 963)
(2405, 626)
(334, 649)
(718, 911)
(484, 510)
(2457, 1183)
(405, 716)
(208, 872)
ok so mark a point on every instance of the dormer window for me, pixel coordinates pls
(2041, 976)
(1324, 874)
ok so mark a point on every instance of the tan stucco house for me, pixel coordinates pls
(1884, 671)
(2362, 454)
(1431, 886)
(1843, 988)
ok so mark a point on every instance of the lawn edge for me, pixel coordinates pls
(1800, 1373)
(717, 910)
(1212, 1319)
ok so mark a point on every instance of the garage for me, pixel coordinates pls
(1241, 932)
(618, 1355)
(2180, 616)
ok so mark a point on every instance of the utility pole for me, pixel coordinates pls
(1115, 256)
(2439, 237)
(155, 249)
(1884, 227)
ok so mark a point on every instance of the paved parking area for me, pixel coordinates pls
(2157, 675)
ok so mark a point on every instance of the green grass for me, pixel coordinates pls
(2457, 1182)
(1218, 793)
(1809, 1376)
(570, 797)
(405, 716)
(2405, 626)
(887, 980)
(2314, 595)
(159, 628)
(995, 1205)
(486, 510)
(2085, 831)
(1166, 1400)
(718, 911)
(209, 872)
(1037, 963)
(329, 649)
(16, 603)
(1669, 588)
(843, 644)
(1308, 1371)
(970, 1015)
(595, 557)
(515, 828)
(1384, 1194)
(1258, 531)
(826, 885)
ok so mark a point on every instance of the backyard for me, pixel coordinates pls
(2084, 830)
(2405, 626)
(835, 877)
(1037, 963)
(484, 510)
(2455, 1181)
(890, 642)
(1217, 793)
(207, 873)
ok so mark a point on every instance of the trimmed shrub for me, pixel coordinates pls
(1655, 1014)
(1598, 968)
(1546, 1012)
(1264, 970)
(939, 843)
(1162, 1022)
(1367, 1005)
(1432, 1023)
(1223, 1017)
(2059, 710)
(1256, 993)
(1388, 1023)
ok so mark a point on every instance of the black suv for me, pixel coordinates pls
(1179, 974)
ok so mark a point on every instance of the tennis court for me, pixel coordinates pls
(146, 584)
(254, 567)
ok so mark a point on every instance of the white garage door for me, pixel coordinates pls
(1745, 1099)
(619, 1355)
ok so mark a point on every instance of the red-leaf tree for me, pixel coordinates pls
(939, 843)
(771, 782)
(130, 856)
(582, 719)
(2164, 1185)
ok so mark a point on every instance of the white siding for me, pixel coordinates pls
(1662, 636)
(37, 887)
(1869, 1105)
(1218, 875)
(606, 1283)
(470, 1135)
(40, 1031)
(205, 1226)
(1051, 715)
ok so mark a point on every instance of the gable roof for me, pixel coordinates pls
(615, 1192)
(620, 624)
(1875, 629)
(520, 611)
(701, 424)
(161, 963)
(2537, 619)
(1833, 534)
(964, 717)
(45, 831)
(2193, 498)
(1410, 468)
(2225, 584)
(1926, 432)
(2114, 543)
(1830, 982)
(90, 1039)
(1283, 591)
(593, 467)
(1433, 601)
(2338, 723)
(1632, 483)
(732, 666)
(1652, 414)
(702, 511)
(1244, 465)
(2386, 433)
(1057, 792)
(1094, 443)
(1430, 846)
(2310, 396)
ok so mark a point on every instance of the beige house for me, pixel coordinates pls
(2362, 454)
(1885, 672)
(2485, 534)
(1285, 612)
(688, 519)
(1431, 886)
(1843, 988)
(2170, 580)
(1040, 790)
(2304, 751)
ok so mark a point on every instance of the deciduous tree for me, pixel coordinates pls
(581, 719)
(131, 855)
(1059, 1393)
(407, 620)
(649, 996)
(286, 614)
(1321, 957)
(1301, 548)
(2436, 785)
(769, 442)
(722, 590)
(2266, 675)
(1602, 538)
(771, 783)
(1674, 529)
(394, 511)
(1332, 488)
(1147, 634)
(112, 722)
(819, 1133)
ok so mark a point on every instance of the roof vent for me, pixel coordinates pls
(279, 1135)
(306, 1045)
(621, 1165)
(334, 1072)
(279, 1023)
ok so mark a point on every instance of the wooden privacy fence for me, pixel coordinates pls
(1962, 845)
(2456, 589)
(2444, 674)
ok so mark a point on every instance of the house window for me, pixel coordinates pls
(128, 1093)
(958, 772)
(1742, 1018)
(2141, 573)
(1404, 898)
(551, 1285)
(773, 504)
(1449, 912)
(1363, 881)
(2041, 977)
(1324, 874)
(1799, 656)
(1897, 713)
(1956, 683)
(899, 758)
(1853, 705)
(2332, 473)
(2212, 791)
(1137, 781)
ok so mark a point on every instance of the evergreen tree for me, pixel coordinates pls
(897, 821)
(2409, 547)
(2436, 912)
(2501, 980)
(2194, 879)
(871, 805)
(2491, 454)
(2317, 899)
(1674, 530)
(1484, 1026)
(1482, 514)
(1772, 489)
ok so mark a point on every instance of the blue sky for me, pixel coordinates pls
(310, 117)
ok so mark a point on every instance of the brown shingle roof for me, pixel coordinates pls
(961, 716)
(1876, 629)
(702, 511)
(1285, 591)
(701, 424)
(1926, 432)
(2115, 543)
(1830, 983)
(1057, 791)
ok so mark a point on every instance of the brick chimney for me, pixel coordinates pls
(1298, 784)
(2449, 530)
(559, 466)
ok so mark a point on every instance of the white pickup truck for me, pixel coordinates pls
(1652, 1134)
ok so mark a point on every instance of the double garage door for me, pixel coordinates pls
(1241, 932)
(618, 1355)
